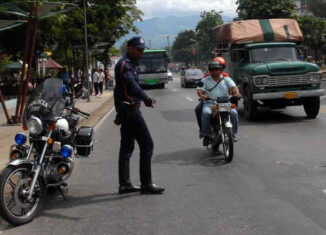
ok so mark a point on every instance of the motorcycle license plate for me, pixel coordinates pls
(291, 95)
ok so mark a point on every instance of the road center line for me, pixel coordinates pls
(189, 99)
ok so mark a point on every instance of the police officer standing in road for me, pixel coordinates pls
(127, 98)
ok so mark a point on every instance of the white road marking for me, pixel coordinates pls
(324, 191)
(102, 119)
(189, 99)
(174, 90)
(323, 97)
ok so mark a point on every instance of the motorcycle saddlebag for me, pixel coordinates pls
(84, 141)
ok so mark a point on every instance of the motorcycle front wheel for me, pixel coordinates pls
(228, 145)
(15, 182)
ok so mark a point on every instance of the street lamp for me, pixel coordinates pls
(86, 51)
(167, 38)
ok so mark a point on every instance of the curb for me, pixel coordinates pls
(98, 114)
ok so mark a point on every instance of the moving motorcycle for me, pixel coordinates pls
(221, 126)
(47, 162)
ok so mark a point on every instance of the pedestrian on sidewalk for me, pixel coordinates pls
(65, 78)
(127, 98)
(90, 82)
(101, 80)
(96, 77)
(107, 79)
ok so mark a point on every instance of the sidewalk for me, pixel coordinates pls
(97, 107)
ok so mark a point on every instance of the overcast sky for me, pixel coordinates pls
(160, 8)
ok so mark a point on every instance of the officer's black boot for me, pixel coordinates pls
(147, 187)
(124, 178)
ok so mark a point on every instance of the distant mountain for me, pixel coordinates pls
(153, 30)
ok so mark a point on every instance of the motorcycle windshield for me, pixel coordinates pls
(46, 102)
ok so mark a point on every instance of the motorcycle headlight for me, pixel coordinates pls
(315, 77)
(66, 151)
(20, 139)
(34, 126)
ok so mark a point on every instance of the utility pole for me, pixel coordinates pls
(86, 51)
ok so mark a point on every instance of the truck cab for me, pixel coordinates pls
(270, 74)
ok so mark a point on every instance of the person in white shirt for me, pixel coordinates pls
(101, 80)
(96, 78)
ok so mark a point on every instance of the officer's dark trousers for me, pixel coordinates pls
(133, 127)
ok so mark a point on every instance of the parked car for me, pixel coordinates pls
(191, 77)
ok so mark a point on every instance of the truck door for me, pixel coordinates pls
(239, 58)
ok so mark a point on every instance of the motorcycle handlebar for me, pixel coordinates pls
(77, 111)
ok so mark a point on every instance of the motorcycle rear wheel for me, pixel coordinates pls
(14, 206)
(228, 145)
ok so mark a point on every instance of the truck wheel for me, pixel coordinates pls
(250, 106)
(162, 86)
(311, 106)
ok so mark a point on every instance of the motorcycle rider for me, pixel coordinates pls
(216, 85)
(198, 109)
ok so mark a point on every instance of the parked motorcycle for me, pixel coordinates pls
(221, 126)
(47, 162)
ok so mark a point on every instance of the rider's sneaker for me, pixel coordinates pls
(206, 141)
(235, 138)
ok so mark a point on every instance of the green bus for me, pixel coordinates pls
(153, 68)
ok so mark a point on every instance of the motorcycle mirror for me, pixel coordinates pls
(200, 84)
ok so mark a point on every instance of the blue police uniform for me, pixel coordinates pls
(133, 126)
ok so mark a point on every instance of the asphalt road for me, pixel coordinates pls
(276, 183)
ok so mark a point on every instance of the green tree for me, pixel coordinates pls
(123, 47)
(107, 21)
(183, 46)
(205, 34)
(317, 7)
(314, 31)
(262, 9)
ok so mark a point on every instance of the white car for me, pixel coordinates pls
(191, 77)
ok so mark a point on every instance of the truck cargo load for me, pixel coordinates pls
(254, 31)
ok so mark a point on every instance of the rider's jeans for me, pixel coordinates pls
(206, 124)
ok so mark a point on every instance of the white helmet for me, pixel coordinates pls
(62, 124)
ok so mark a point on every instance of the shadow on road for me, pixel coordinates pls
(57, 202)
(268, 116)
(195, 156)
(183, 115)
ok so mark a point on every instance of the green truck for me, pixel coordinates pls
(263, 59)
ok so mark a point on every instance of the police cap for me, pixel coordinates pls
(137, 42)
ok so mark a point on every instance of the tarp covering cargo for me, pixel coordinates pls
(250, 31)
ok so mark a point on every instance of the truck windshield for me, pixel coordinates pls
(273, 54)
